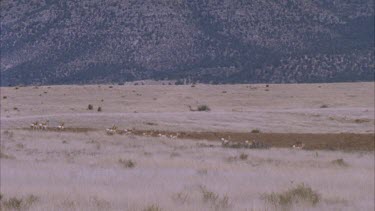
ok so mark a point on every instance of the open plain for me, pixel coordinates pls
(167, 153)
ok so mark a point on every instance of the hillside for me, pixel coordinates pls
(236, 41)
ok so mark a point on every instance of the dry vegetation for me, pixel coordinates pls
(165, 157)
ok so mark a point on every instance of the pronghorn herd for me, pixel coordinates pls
(112, 130)
(224, 142)
(44, 125)
(247, 144)
(254, 144)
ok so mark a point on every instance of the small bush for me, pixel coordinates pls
(243, 156)
(255, 131)
(6, 156)
(126, 163)
(5, 97)
(153, 207)
(214, 199)
(110, 87)
(208, 196)
(90, 107)
(340, 162)
(203, 108)
(99, 109)
(15, 108)
(298, 194)
(324, 106)
(13, 203)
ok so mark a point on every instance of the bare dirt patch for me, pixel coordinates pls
(324, 141)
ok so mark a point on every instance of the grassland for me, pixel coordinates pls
(171, 157)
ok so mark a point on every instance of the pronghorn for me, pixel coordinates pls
(298, 145)
(43, 125)
(224, 142)
(112, 130)
(34, 125)
(61, 126)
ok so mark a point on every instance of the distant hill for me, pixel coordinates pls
(211, 41)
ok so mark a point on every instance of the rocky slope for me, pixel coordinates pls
(229, 41)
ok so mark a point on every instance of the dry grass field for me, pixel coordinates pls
(168, 154)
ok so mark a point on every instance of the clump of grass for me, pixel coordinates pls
(31, 199)
(99, 109)
(15, 108)
(15, 203)
(208, 196)
(214, 199)
(255, 131)
(340, 162)
(5, 97)
(6, 156)
(243, 156)
(299, 194)
(126, 163)
(153, 207)
(90, 107)
(181, 197)
(175, 154)
(324, 106)
(202, 171)
(203, 108)
(362, 120)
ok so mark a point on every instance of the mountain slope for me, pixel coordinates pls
(64, 42)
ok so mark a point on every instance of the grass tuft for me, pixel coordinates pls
(243, 156)
(299, 194)
(126, 163)
(203, 108)
(340, 162)
(214, 199)
(153, 207)
(255, 131)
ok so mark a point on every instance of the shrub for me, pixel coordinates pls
(340, 162)
(243, 156)
(153, 207)
(126, 163)
(13, 203)
(90, 107)
(203, 108)
(324, 106)
(214, 199)
(5, 97)
(255, 131)
(300, 193)
(99, 109)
